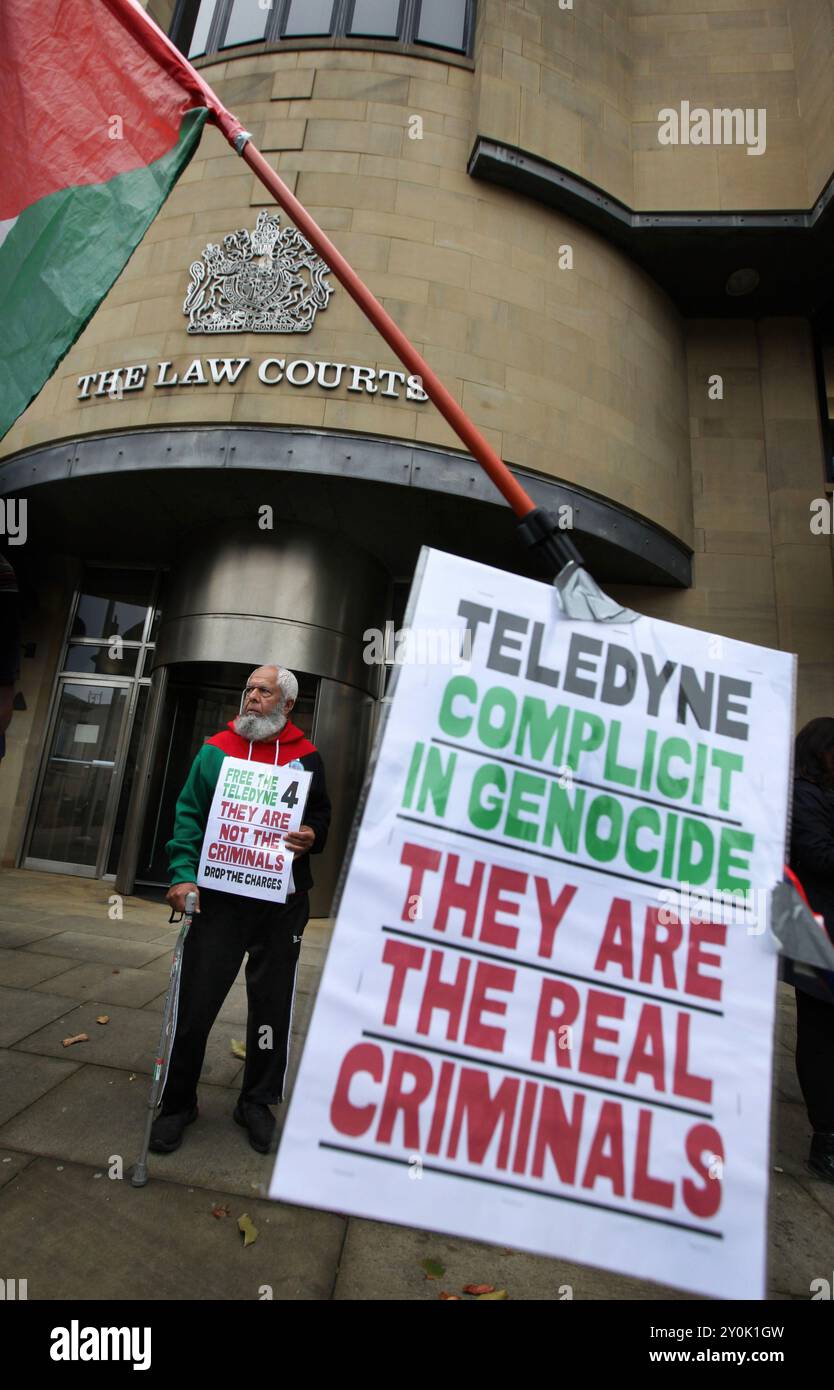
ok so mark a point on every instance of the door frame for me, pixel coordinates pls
(27, 861)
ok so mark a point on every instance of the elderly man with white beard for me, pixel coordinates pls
(230, 926)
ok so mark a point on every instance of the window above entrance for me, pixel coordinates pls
(202, 27)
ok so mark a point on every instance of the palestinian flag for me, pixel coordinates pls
(101, 114)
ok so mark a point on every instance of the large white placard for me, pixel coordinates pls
(254, 806)
(529, 1029)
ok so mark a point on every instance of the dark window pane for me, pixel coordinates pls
(113, 603)
(247, 23)
(309, 17)
(201, 28)
(97, 661)
(377, 17)
(127, 782)
(442, 22)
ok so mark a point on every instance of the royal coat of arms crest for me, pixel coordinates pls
(269, 281)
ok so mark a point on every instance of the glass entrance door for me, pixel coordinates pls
(75, 805)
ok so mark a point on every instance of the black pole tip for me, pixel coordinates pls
(540, 530)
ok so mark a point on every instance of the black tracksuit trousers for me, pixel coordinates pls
(225, 929)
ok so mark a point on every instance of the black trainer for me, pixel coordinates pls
(260, 1122)
(821, 1157)
(166, 1132)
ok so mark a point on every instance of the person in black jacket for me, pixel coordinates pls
(812, 860)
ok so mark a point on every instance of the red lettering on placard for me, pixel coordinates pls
(606, 1159)
(483, 1113)
(647, 1188)
(419, 860)
(405, 1067)
(551, 913)
(617, 945)
(648, 1057)
(492, 931)
(557, 1135)
(441, 1105)
(346, 1117)
(548, 1023)
(458, 894)
(660, 948)
(703, 1146)
(713, 934)
(402, 957)
(597, 1005)
(478, 1033)
(446, 995)
(685, 1083)
(525, 1125)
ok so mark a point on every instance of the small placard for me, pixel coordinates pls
(255, 807)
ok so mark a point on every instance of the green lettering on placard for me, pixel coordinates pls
(517, 825)
(455, 724)
(502, 701)
(601, 847)
(728, 763)
(437, 781)
(486, 814)
(695, 835)
(668, 785)
(587, 733)
(564, 816)
(411, 779)
(643, 861)
(541, 727)
(732, 842)
(613, 771)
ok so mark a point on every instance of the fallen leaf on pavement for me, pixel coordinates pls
(103, 1018)
(433, 1269)
(249, 1231)
(79, 1037)
(220, 1212)
(238, 1049)
(115, 972)
(449, 1296)
(488, 1297)
(479, 1289)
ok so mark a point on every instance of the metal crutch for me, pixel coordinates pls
(139, 1172)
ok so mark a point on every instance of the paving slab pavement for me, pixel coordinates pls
(24, 1079)
(76, 1234)
(24, 969)
(94, 980)
(22, 933)
(23, 1012)
(129, 1040)
(86, 946)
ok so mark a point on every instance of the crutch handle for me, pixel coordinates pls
(190, 903)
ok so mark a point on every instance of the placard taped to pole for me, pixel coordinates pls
(253, 808)
(546, 1015)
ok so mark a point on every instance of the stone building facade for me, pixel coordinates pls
(640, 326)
